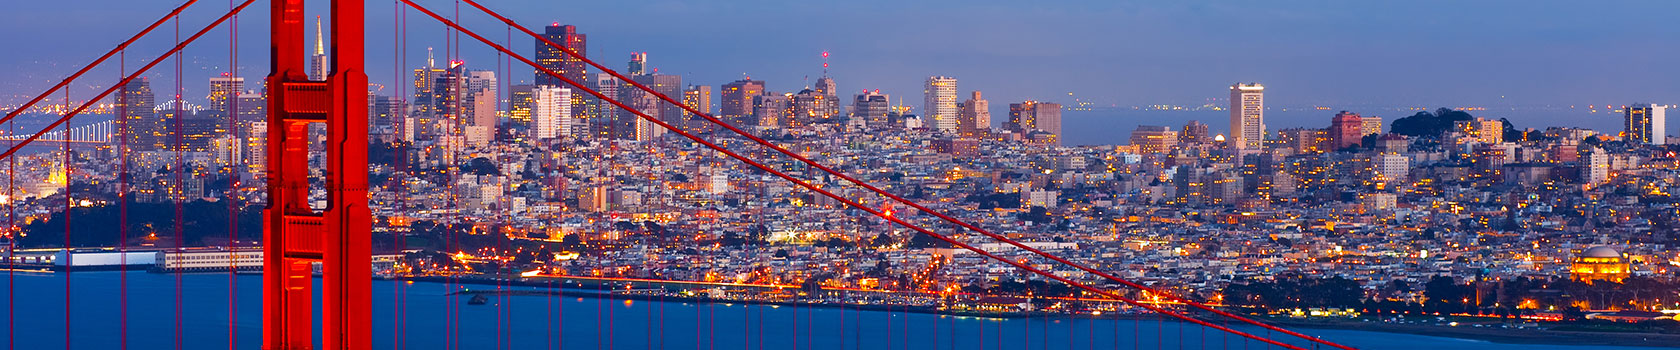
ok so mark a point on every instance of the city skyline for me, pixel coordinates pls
(1465, 66)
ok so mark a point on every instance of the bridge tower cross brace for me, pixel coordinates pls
(294, 234)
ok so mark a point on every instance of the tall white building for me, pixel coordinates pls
(940, 103)
(1646, 123)
(1392, 167)
(1595, 164)
(1248, 115)
(551, 112)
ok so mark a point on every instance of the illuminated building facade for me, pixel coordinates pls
(737, 102)
(223, 91)
(975, 117)
(1346, 130)
(1646, 123)
(940, 103)
(551, 115)
(1248, 115)
(1194, 132)
(1601, 263)
(136, 102)
(1151, 139)
(1028, 116)
(872, 107)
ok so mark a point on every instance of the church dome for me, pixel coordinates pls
(1601, 252)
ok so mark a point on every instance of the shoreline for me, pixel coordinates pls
(1467, 331)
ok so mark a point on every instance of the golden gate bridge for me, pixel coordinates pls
(299, 235)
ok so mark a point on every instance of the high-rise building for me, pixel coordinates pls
(318, 61)
(825, 86)
(224, 89)
(1595, 165)
(600, 121)
(872, 107)
(939, 103)
(638, 64)
(975, 117)
(698, 97)
(551, 113)
(1029, 116)
(1646, 123)
(1151, 139)
(1391, 166)
(737, 102)
(1370, 125)
(1248, 111)
(135, 104)
(809, 107)
(519, 103)
(771, 109)
(1346, 130)
(1194, 132)
(572, 67)
(669, 85)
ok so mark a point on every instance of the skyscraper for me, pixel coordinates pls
(738, 97)
(1194, 132)
(318, 61)
(638, 64)
(1029, 116)
(1646, 123)
(1346, 130)
(572, 67)
(136, 102)
(224, 89)
(698, 97)
(1151, 139)
(873, 107)
(975, 117)
(1248, 115)
(551, 113)
(940, 103)
(519, 103)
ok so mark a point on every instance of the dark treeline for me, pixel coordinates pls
(203, 223)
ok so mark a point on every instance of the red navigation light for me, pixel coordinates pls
(555, 24)
(825, 54)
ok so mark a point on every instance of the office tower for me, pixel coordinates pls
(449, 95)
(551, 113)
(770, 109)
(698, 97)
(481, 123)
(425, 92)
(572, 67)
(1646, 123)
(975, 117)
(1151, 139)
(224, 89)
(1482, 129)
(318, 61)
(1029, 116)
(1370, 125)
(825, 86)
(1194, 132)
(519, 103)
(383, 112)
(669, 85)
(1345, 130)
(638, 64)
(737, 102)
(872, 107)
(1305, 140)
(1391, 167)
(1595, 165)
(811, 107)
(136, 104)
(939, 103)
(256, 148)
(1248, 115)
(250, 108)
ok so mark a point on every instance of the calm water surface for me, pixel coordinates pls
(542, 322)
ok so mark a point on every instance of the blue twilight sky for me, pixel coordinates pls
(1341, 54)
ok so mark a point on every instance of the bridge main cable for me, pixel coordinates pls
(848, 202)
(855, 181)
(124, 45)
(183, 44)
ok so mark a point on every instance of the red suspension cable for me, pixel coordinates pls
(814, 188)
(66, 118)
(881, 192)
(120, 48)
